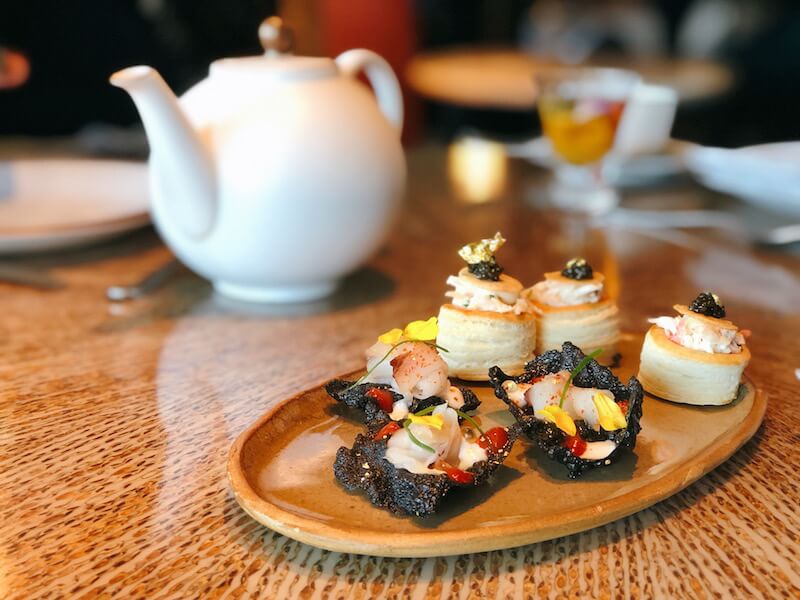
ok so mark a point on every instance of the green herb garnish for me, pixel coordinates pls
(581, 366)
(472, 421)
(414, 439)
(429, 410)
(411, 436)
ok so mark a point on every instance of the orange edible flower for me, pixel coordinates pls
(556, 414)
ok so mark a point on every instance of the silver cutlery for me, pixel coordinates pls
(29, 276)
(149, 283)
(673, 219)
(783, 235)
(780, 236)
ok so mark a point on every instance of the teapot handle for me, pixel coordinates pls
(381, 78)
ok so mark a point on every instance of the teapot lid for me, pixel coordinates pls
(277, 61)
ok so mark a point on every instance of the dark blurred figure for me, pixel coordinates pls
(446, 23)
(760, 40)
(72, 47)
(460, 22)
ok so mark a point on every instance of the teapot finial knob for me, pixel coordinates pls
(276, 38)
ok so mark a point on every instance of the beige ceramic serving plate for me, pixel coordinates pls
(281, 472)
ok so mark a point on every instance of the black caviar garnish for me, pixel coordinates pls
(708, 304)
(488, 270)
(578, 268)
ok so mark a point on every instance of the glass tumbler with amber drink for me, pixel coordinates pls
(580, 109)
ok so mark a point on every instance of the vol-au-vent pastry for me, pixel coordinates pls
(697, 357)
(487, 322)
(572, 305)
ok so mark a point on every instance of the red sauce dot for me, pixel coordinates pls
(575, 444)
(455, 474)
(497, 438)
(460, 476)
(384, 398)
(386, 431)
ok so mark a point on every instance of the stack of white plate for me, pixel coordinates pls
(635, 171)
(52, 204)
(767, 175)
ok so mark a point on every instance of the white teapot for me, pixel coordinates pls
(276, 175)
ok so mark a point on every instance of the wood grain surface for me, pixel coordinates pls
(116, 421)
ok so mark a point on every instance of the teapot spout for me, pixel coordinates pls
(183, 177)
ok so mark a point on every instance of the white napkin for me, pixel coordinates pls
(768, 174)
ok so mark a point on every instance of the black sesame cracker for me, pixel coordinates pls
(356, 397)
(549, 437)
(364, 468)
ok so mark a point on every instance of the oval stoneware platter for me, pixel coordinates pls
(281, 473)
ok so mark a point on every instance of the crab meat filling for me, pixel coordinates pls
(567, 293)
(468, 293)
(697, 334)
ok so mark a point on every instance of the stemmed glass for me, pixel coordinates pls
(580, 109)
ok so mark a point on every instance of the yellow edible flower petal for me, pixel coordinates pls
(391, 337)
(609, 413)
(423, 331)
(560, 417)
(435, 421)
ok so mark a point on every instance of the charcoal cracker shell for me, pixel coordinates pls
(365, 468)
(356, 397)
(546, 435)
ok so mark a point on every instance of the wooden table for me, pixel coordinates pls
(502, 78)
(115, 421)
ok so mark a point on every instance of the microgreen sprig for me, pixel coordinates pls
(472, 421)
(426, 411)
(411, 436)
(414, 439)
(581, 366)
(429, 410)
